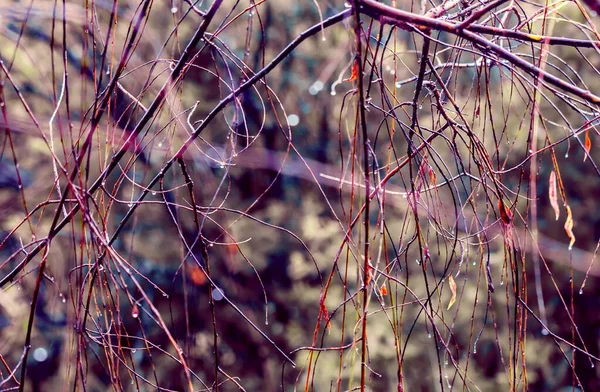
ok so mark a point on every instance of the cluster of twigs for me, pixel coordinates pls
(453, 116)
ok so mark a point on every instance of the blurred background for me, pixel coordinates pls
(243, 255)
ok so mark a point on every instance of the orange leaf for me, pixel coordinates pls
(453, 290)
(588, 144)
(552, 193)
(383, 290)
(569, 227)
(431, 177)
(354, 73)
(197, 276)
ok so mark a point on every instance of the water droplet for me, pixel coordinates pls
(315, 87)
(592, 365)
(474, 351)
(165, 295)
(218, 294)
(64, 300)
(211, 245)
(347, 5)
(567, 155)
(293, 120)
(580, 291)
(135, 312)
(101, 268)
(160, 144)
(173, 10)
(129, 205)
(501, 283)
(474, 263)
(545, 332)
(133, 351)
(333, 92)
(40, 354)
(324, 38)
(428, 336)
(153, 193)
(420, 107)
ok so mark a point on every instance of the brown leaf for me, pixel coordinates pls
(453, 290)
(431, 177)
(569, 227)
(553, 194)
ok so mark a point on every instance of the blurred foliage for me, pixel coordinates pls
(274, 213)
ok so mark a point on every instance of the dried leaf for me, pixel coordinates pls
(569, 227)
(197, 276)
(431, 177)
(383, 290)
(453, 290)
(588, 144)
(505, 213)
(354, 75)
(553, 194)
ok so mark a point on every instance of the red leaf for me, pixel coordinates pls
(431, 177)
(588, 144)
(505, 213)
(383, 290)
(354, 73)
